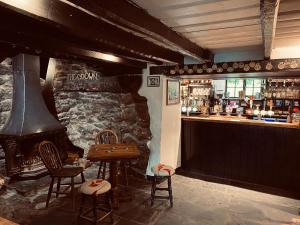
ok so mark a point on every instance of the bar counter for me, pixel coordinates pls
(241, 120)
(242, 151)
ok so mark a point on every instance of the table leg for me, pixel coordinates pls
(114, 180)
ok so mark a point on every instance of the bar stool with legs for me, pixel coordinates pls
(160, 172)
(98, 191)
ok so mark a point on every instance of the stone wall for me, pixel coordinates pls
(6, 91)
(87, 106)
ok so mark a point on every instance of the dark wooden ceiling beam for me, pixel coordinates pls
(80, 24)
(127, 15)
(35, 29)
(106, 68)
(268, 15)
(56, 48)
(31, 27)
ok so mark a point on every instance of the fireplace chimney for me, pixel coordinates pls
(30, 123)
(29, 113)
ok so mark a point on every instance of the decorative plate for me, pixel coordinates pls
(225, 66)
(186, 68)
(235, 65)
(269, 66)
(214, 67)
(241, 65)
(190, 71)
(172, 72)
(246, 67)
(281, 65)
(199, 70)
(252, 64)
(230, 69)
(181, 71)
(257, 67)
(220, 70)
(209, 70)
(293, 64)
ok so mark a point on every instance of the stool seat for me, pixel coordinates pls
(95, 187)
(163, 170)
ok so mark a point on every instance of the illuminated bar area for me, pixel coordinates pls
(242, 131)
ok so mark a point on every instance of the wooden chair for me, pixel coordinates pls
(105, 137)
(51, 158)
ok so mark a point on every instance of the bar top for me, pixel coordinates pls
(241, 120)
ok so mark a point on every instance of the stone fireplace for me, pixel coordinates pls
(29, 123)
(84, 107)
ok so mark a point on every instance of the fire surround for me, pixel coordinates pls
(30, 122)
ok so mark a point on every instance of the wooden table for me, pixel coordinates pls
(113, 153)
(6, 222)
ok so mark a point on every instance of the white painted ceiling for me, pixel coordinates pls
(212, 24)
(227, 26)
(288, 24)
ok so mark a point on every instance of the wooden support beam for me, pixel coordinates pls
(127, 15)
(44, 61)
(258, 68)
(32, 27)
(59, 49)
(81, 25)
(268, 16)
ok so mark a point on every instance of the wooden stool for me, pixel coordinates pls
(162, 171)
(93, 189)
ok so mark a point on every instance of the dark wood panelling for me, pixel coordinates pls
(265, 156)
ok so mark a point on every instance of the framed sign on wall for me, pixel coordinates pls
(173, 92)
(153, 81)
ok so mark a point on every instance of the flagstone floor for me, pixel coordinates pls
(196, 202)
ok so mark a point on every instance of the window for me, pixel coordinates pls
(252, 87)
(233, 88)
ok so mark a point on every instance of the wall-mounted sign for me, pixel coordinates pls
(88, 76)
(153, 81)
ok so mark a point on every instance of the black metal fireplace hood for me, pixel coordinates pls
(29, 114)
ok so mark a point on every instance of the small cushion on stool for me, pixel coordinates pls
(95, 187)
(162, 170)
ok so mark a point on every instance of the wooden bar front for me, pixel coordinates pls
(243, 154)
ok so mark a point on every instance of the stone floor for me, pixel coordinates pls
(195, 202)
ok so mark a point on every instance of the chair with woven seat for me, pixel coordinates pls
(105, 137)
(95, 190)
(160, 172)
(51, 158)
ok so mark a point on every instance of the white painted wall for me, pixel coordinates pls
(165, 122)
(288, 52)
(231, 55)
(170, 131)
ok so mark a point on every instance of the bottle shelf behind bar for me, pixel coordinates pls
(274, 99)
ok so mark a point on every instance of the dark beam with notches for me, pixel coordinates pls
(80, 24)
(125, 14)
(30, 26)
(58, 49)
(258, 68)
(106, 68)
(268, 17)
